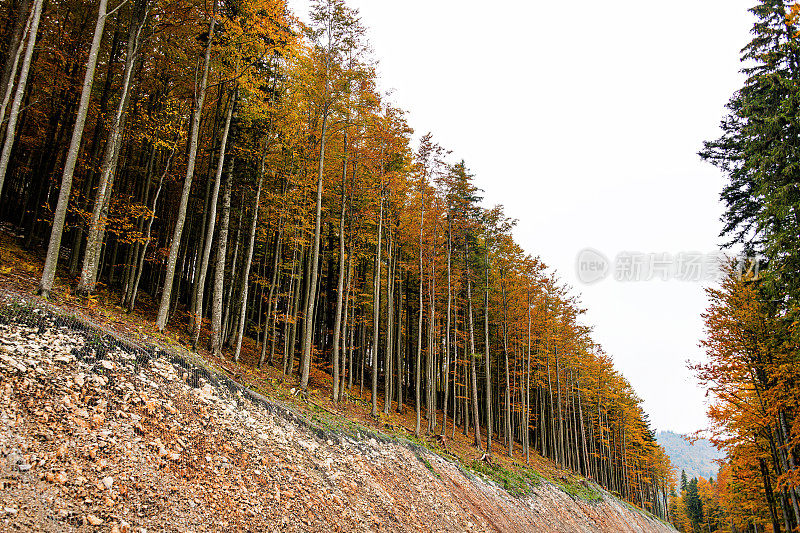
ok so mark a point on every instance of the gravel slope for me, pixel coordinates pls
(95, 435)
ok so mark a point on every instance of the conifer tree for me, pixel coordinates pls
(759, 149)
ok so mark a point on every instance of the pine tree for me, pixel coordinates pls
(759, 150)
(694, 507)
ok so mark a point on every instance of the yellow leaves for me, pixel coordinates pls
(18, 266)
(793, 15)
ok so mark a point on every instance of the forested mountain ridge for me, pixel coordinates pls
(696, 458)
(237, 177)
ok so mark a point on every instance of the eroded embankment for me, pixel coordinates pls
(99, 434)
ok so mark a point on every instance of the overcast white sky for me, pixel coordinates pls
(584, 120)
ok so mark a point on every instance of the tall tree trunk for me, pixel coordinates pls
(587, 464)
(399, 344)
(431, 366)
(197, 312)
(132, 257)
(526, 425)
(551, 440)
(337, 321)
(248, 261)
(487, 358)
(143, 253)
(290, 345)
(226, 313)
(59, 216)
(474, 374)
(166, 295)
(388, 356)
(291, 309)
(417, 373)
(272, 298)
(94, 241)
(508, 433)
(347, 352)
(447, 326)
(15, 50)
(376, 308)
(561, 451)
(11, 127)
(219, 271)
(308, 320)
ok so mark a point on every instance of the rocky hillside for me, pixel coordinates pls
(99, 434)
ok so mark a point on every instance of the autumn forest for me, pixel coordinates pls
(236, 177)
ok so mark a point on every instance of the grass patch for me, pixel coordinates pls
(579, 488)
(519, 483)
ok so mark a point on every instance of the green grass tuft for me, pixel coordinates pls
(519, 483)
(579, 488)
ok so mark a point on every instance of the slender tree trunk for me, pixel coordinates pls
(197, 312)
(15, 50)
(400, 343)
(249, 257)
(215, 130)
(143, 253)
(219, 271)
(487, 358)
(551, 441)
(59, 216)
(447, 327)
(788, 455)
(526, 425)
(561, 451)
(289, 303)
(337, 324)
(97, 226)
(474, 374)
(455, 377)
(346, 327)
(388, 357)
(308, 320)
(417, 373)
(11, 127)
(132, 257)
(587, 464)
(226, 314)
(431, 366)
(376, 307)
(508, 434)
(166, 295)
(295, 311)
(272, 300)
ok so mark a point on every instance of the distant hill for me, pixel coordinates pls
(696, 459)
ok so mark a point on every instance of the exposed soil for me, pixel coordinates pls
(96, 434)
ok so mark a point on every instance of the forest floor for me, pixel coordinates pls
(100, 434)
